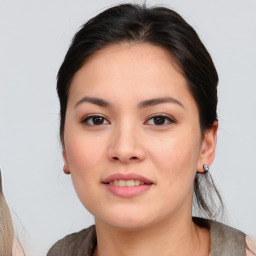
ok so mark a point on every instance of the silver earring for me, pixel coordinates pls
(206, 168)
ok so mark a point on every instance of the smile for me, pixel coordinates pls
(126, 183)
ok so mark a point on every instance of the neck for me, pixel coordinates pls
(177, 236)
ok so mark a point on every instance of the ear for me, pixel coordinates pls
(208, 146)
(66, 167)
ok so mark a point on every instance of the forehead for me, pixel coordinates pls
(132, 53)
(129, 69)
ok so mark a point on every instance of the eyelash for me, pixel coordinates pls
(85, 120)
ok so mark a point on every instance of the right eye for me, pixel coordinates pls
(94, 120)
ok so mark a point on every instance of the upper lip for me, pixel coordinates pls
(126, 176)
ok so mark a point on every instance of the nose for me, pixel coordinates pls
(125, 145)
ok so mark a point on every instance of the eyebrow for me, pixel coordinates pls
(96, 101)
(156, 101)
(143, 104)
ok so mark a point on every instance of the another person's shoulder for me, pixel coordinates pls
(79, 243)
(250, 246)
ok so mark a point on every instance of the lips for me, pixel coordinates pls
(127, 185)
(126, 177)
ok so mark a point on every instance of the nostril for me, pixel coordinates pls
(125, 159)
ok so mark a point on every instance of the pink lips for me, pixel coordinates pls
(127, 192)
(127, 176)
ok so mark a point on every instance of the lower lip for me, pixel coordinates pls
(127, 192)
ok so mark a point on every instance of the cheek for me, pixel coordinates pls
(176, 159)
(84, 153)
(85, 157)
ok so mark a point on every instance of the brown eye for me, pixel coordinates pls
(94, 120)
(160, 120)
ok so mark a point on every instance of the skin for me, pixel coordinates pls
(129, 140)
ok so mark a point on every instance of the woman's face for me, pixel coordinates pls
(146, 129)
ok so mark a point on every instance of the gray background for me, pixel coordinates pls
(34, 37)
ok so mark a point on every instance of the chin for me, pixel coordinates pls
(125, 220)
(128, 224)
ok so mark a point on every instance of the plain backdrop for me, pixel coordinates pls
(34, 37)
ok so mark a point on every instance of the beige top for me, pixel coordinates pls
(225, 241)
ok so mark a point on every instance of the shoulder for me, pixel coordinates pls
(79, 243)
(225, 240)
(220, 230)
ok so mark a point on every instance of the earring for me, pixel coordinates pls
(206, 168)
(66, 170)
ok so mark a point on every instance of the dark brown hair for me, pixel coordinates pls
(162, 27)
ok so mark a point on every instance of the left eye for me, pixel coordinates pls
(160, 120)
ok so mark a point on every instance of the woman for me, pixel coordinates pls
(138, 97)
